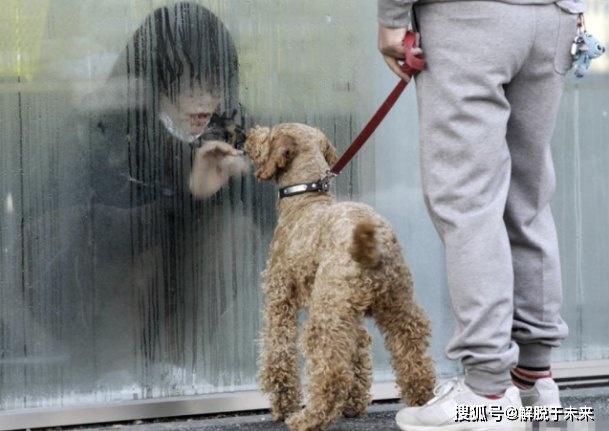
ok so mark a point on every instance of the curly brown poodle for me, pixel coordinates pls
(342, 263)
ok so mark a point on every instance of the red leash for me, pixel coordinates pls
(411, 66)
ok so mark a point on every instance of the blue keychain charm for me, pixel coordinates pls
(585, 48)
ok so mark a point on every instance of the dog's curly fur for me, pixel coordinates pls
(342, 262)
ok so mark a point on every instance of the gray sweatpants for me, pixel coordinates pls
(488, 101)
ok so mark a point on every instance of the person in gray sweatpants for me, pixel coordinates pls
(488, 100)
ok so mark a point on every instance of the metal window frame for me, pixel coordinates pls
(564, 372)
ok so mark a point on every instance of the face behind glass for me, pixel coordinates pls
(191, 109)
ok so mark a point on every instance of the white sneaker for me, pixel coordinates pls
(544, 393)
(441, 413)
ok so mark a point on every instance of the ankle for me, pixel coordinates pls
(526, 377)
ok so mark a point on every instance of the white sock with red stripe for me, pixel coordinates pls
(494, 397)
(525, 377)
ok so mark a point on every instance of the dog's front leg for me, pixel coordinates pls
(280, 365)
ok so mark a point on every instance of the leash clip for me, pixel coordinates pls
(325, 181)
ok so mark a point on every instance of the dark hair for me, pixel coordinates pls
(178, 46)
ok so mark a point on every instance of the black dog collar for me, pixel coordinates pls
(320, 186)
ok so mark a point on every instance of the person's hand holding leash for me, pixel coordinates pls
(391, 45)
(395, 44)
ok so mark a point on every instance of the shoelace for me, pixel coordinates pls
(443, 389)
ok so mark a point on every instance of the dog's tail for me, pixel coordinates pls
(365, 248)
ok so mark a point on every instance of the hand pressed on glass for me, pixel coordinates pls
(215, 162)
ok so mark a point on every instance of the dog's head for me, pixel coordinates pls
(292, 150)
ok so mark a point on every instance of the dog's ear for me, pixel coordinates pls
(282, 151)
(329, 152)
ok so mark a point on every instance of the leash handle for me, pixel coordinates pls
(410, 66)
(413, 64)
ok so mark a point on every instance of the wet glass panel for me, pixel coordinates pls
(131, 248)
(121, 280)
(581, 203)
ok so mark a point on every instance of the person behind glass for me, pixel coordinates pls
(173, 90)
(488, 100)
(167, 178)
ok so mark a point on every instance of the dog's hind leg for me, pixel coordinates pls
(359, 395)
(328, 343)
(280, 366)
(406, 329)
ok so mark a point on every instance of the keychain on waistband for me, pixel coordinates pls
(585, 48)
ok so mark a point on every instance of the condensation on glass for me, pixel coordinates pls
(117, 283)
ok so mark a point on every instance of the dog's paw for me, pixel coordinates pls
(296, 423)
(350, 414)
(356, 404)
(354, 414)
(283, 416)
(278, 417)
